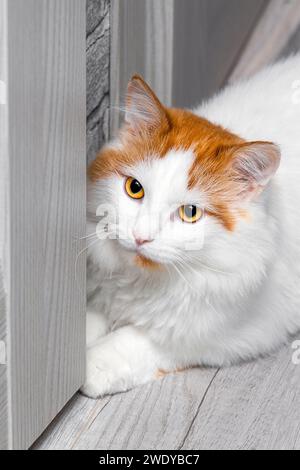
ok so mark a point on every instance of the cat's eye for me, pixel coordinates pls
(190, 213)
(134, 188)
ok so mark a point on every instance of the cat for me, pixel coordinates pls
(194, 231)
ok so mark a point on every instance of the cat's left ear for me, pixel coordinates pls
(144, 112)
(254, 165)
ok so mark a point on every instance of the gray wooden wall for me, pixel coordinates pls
(98, 73)
(3, 226)
(142, 35)
(206, 50)
(293, 45)
(184, 49)
(3, 377)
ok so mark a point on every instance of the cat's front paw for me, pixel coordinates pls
(97, 382)
(106, 373)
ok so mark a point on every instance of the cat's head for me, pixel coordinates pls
(177, 187)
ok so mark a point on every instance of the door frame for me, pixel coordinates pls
(44, 152)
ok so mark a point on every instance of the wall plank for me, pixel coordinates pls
(273, 37)
(206, 50)
(141, 42)
(185, 50)
(47, 155)
(97, 65)
(3, 226)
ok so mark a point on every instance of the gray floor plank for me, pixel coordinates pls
(69, 426)
(252, 406)
(157, 415)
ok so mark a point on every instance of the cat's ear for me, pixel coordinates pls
(143, 111)
(254, 165)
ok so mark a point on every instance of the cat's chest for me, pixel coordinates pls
(146, 301)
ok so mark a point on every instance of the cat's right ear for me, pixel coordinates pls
(144, 113)
(254, 165)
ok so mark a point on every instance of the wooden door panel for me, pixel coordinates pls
(46, 155)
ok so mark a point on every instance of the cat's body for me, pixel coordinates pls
(237, 295)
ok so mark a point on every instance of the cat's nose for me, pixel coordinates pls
(141, 241)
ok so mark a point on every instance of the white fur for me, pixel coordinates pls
(231, 297)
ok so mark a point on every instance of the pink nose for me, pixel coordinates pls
(140, 241)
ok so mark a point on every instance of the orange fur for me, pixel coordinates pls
(213, 146)
(160, 373)
(146, 263)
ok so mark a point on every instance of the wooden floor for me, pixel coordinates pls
(251, 406)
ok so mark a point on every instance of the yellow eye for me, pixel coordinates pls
(190, 213)
(134, 188)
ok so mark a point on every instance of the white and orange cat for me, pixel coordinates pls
(196, 259)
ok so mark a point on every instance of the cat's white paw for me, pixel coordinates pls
(98, 381)
(106, 372)
(120, 361)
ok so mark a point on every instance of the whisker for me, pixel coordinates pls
(186, 266)
(81, 252)
(211, 306)
(189, 262)
(84, 238)
(169, 272)
(215, 270)
(206, 266)
(181, 275)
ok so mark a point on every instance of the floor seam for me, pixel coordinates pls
(88, 426)
(198, 409)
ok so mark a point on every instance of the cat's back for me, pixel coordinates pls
(264, 107)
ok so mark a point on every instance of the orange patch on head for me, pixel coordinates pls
(224, 216)
(152, 130)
